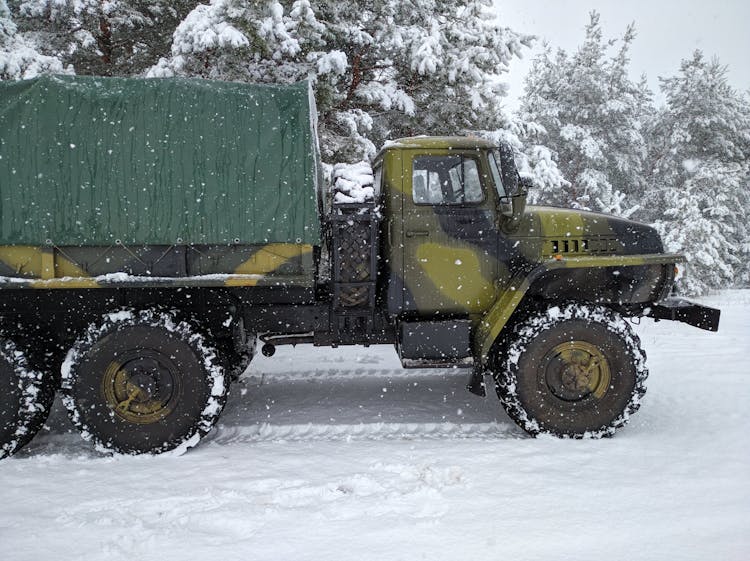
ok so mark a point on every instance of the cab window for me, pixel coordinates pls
(446, 180)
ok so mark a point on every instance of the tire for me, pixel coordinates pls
(143, 382)
(26, 397)
(573, 371)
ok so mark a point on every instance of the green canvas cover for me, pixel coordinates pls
(94, 161)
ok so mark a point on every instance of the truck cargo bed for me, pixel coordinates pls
(91, 161)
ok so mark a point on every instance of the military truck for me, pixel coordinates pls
(153, 230)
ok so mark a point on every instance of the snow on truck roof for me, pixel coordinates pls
(440, 142)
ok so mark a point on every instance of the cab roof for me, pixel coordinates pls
(439, 142)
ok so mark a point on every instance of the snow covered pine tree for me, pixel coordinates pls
(113, 38)
(700, 170)
(20, 57)
(590, 115)
(381, 68)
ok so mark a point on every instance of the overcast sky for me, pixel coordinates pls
(667, 32)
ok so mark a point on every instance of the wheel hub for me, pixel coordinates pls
(143, 388)
(575, 370)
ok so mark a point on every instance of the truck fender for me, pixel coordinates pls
(497, 317)
(513, 292)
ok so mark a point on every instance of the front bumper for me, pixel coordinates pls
(679, 309)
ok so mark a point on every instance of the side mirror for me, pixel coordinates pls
(513, 206)
(525, 183)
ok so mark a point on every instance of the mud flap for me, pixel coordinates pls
(685, 311)
(476, 383)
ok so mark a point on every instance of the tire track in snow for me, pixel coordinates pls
(369, 404)
(254, 377)
(267, 432)
(296, 406)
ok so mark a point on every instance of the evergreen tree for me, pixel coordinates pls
(742, 234)
(112, 38)
(382, 68)
(19, 56)
(700, 168)
(589, 113)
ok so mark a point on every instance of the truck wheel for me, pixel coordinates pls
(143, 382)
(25, 399)
(572, 371)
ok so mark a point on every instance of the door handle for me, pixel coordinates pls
(417, 233)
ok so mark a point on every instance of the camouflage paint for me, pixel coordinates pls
(471, 261)
(447, 257)
(156, 266)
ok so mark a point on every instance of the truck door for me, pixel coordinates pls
(448, 233)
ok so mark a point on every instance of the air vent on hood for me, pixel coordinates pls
(578, 245)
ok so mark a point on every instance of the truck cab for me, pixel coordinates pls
(467, 256)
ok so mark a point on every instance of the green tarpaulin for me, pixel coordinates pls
(90, 161)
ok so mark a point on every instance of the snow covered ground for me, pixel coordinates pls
(341, 454)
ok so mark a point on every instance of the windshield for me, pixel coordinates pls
(495, 168)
